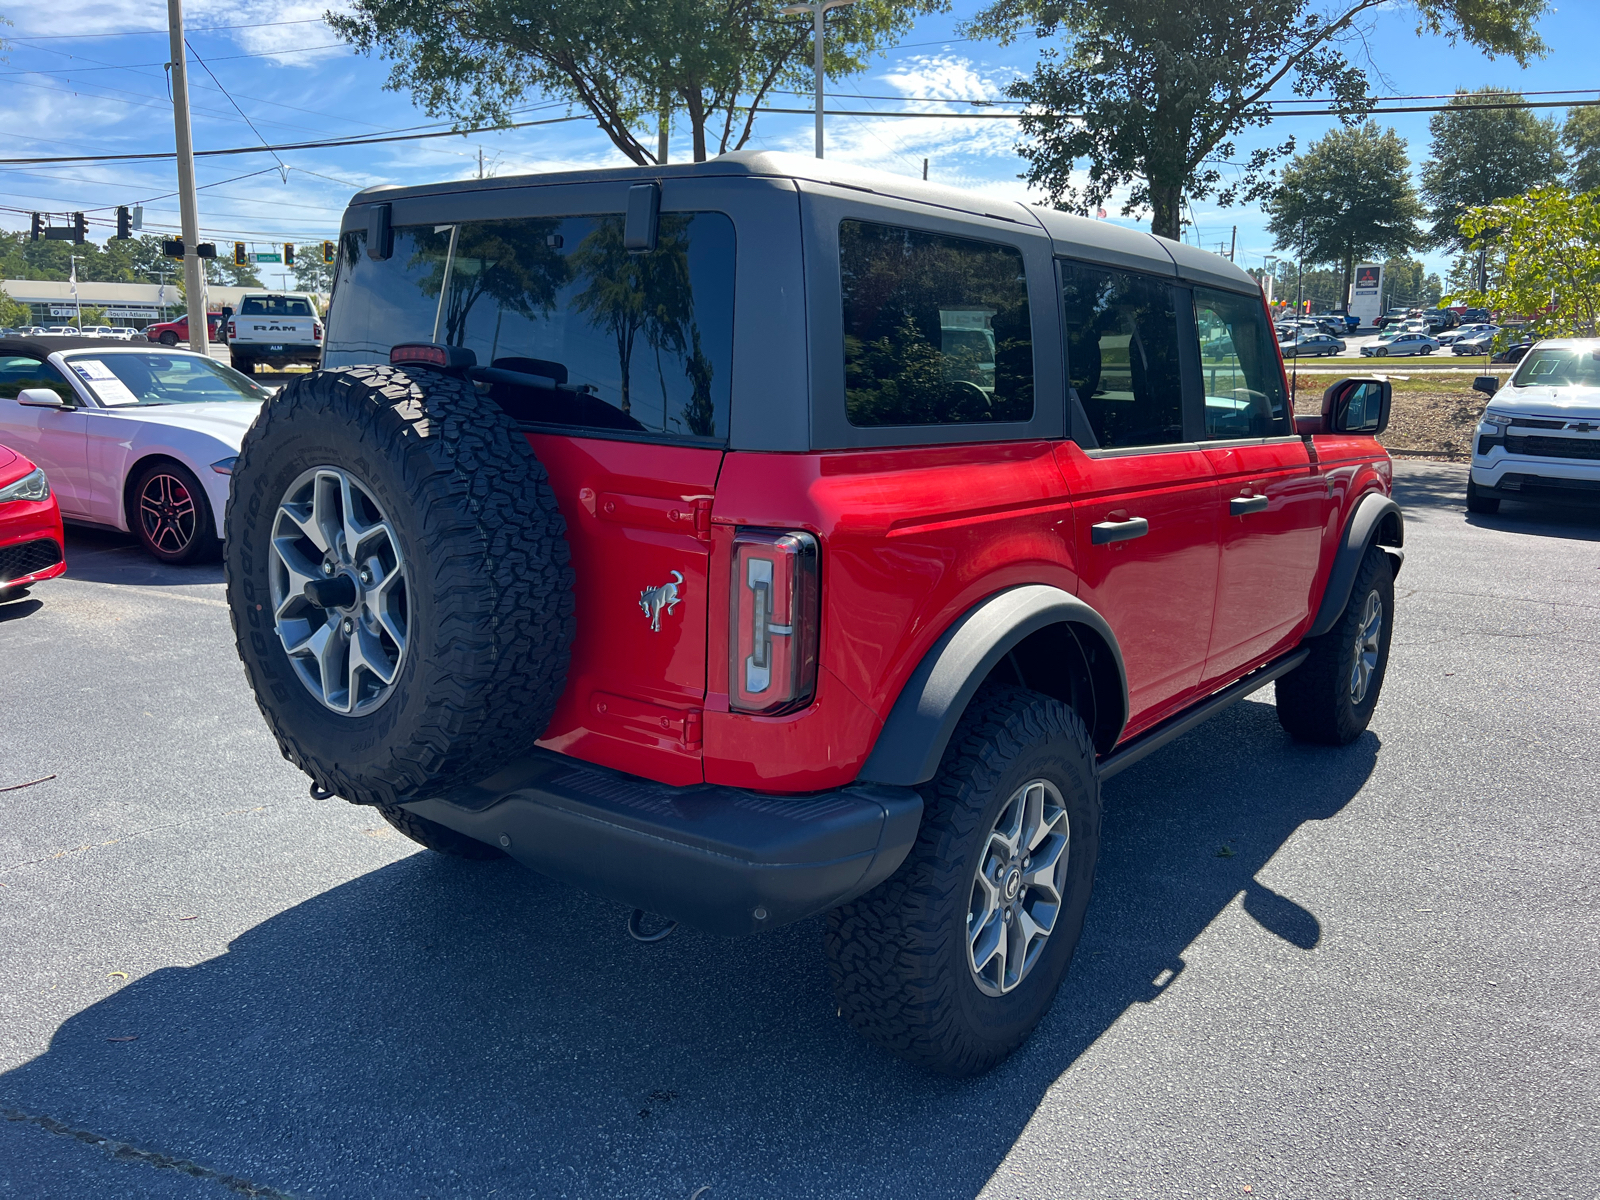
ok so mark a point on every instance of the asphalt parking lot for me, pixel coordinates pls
(1306, 973)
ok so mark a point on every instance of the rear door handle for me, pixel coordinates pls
(1118, 531)
(1243, 506)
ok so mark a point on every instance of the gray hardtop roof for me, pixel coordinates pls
(1076, 237)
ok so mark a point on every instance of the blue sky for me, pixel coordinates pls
(103, 91)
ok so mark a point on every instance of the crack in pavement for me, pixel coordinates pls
(123, 1152)
(232, 812)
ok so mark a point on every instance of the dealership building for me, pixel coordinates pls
(135, 304)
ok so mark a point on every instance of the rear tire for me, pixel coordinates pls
(244, 366)
(1483, 505)
(905, 970)
(1329, 698)
(457, 593)
(437, 837)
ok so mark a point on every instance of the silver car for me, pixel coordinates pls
(1406, 345)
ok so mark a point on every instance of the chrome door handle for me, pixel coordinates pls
(1118, 531)
(1243, 506)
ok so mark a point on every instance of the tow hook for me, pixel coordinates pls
(637, 933)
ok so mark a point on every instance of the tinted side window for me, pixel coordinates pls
(936, 328)
(575, 330)
(1122, 354)
(19, 371)
(1239, 365)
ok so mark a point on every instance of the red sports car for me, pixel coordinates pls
(30, 526)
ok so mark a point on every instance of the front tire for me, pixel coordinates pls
(954, 960)
(1478, 503)
(169, 338)
(1329, 699)
(171, 516)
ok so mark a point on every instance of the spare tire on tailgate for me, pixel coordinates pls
(399, 581)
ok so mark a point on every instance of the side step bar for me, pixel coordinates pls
(1175, 727)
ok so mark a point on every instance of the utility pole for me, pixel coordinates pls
(73, 259)
(188, 205)
(1233, 246)
(816, 8)
(480, 162)
(663, 129)
(924, 170)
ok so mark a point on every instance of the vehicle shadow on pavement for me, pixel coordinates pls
(450, 1028)
(106, 556)
(19, 606)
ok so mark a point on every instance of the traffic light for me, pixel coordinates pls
(80, 228)
(240, 258)
(288, 254)
(327, 253)
(172, 247)
(206, 250)
(38, 226)
(124, 222)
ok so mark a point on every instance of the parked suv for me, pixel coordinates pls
(762, 538)
(1540, 434)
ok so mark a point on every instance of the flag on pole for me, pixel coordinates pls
(1100, 214)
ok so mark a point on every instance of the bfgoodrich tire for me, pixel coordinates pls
(914, 962)
(457, 590)
(1330, 697)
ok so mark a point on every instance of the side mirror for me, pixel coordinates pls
(1357, 406)
(1487, 384)
(40, 398)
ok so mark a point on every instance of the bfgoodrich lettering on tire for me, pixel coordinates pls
(955, 958)
(399, 582)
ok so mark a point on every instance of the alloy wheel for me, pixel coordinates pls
(167, 513)
(1017, 887)
(339, 590)
(1364, 656)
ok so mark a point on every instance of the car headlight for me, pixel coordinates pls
(32, 486)
(224, 466)
(1495, 423)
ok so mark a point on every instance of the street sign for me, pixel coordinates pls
(266, 256)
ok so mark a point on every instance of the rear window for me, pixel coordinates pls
(574, 330)
(936, 328)
(275, 306)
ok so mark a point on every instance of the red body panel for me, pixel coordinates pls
(1269, 560)
(28, 520)
(181, 328)
(638, 518)
(911, 539)
(1158, 591)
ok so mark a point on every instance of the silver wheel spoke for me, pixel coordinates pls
(329, 527)
(1016, 887)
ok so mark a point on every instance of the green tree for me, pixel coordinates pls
(228, 273)
(1407, 283)
(712, 61)
(90, 314)
(1581, 137)
(1482, 154)
(311, 274)
(14, 312)
(1349, 196)
(1543, 259)
(1152, 95)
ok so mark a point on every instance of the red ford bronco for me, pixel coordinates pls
(760, 538)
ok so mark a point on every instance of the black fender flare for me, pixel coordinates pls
(1360, 532)
(918, 728)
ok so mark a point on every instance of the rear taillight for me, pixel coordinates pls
(316, 331)
(232, 331)
(774, 622)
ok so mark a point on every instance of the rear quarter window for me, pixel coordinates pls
(574, 329)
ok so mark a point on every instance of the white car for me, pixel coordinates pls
(1540, 434)
(1400, 346)
(140, 438)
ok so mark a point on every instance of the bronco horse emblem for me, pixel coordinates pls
(657, 600)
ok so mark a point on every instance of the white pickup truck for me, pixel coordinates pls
(275, 329)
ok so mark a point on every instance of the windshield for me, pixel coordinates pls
(1559, 368)
(275, 306)
(122, 380)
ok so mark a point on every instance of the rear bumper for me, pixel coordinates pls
(722, 859)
